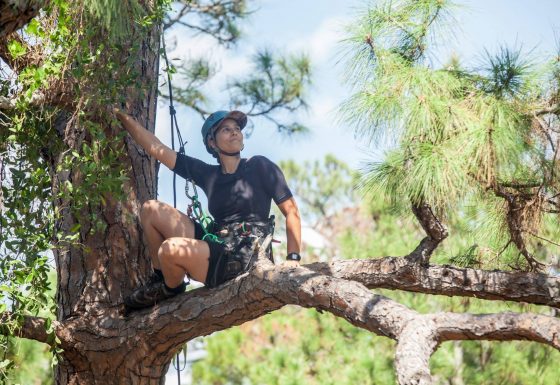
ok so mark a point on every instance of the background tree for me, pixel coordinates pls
(67, 174)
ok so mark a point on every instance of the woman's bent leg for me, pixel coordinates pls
(180, 256)
(173, 250)
(161, 221)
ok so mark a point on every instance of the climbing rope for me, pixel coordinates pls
(176, 363)
(194, 209)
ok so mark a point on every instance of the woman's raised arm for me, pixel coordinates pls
(148, 141)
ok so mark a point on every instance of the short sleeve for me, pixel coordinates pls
(273, 180)
(188, 167)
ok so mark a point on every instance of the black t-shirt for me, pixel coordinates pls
(245, 195)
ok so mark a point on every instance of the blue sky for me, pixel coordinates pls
(316, 28)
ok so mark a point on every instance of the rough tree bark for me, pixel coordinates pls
(102, 345)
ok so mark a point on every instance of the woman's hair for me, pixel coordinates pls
(213, 152)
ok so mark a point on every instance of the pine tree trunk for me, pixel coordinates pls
(93, 279)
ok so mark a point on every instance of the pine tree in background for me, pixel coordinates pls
(482, 141)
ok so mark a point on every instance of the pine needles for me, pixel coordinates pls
(457, 136)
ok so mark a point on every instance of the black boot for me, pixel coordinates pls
(152, 292)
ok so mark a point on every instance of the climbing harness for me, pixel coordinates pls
(241, 243)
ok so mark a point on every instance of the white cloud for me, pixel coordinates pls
(227, 63)
(322, 44)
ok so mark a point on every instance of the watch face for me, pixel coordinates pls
(293, 257)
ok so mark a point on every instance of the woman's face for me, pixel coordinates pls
(229, 136)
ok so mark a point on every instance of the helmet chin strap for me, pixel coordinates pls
(220, 151)
(229, 153)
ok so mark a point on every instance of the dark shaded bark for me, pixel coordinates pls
(14, 14)
(435, 231)
(94, 279)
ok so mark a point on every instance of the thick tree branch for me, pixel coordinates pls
(498, 327)
(421, 337)
(269, 288)
(266, 289)
(322, 286)
(415, 346)
(165, 327)
(398, 273)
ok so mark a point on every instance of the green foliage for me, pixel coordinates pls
(507, 74)
(277, 83)
(195, 74)
(322, 187)
(32, 362)
(218, 19)
(114, 16)
(295, 346)
(26, 361)
(55, 163)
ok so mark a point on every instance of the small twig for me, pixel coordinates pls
(541, 238)
(548, 110)
(544, 128)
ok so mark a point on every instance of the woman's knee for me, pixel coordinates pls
(173, 250)
(148, 210)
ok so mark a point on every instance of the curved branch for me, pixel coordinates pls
(435, 230)
(265, 289)
(421, 337)
(159, 331)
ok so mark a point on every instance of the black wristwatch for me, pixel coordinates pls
(293, 257)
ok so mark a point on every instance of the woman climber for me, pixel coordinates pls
(239, 194)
